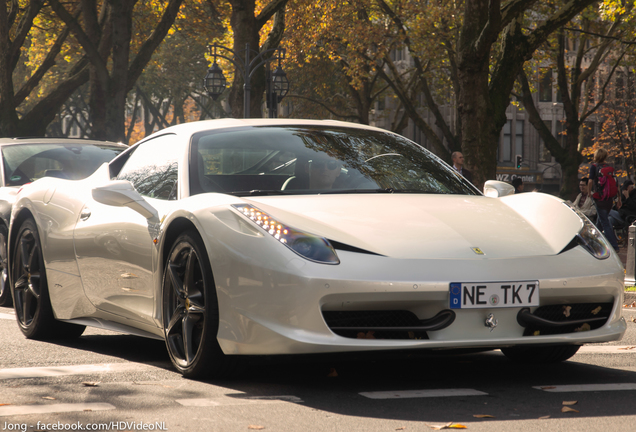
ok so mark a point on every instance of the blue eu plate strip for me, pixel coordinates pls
(455, 296)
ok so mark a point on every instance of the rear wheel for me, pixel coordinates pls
(191, 312)
(30, 291)
(541, 354)
(5, 291)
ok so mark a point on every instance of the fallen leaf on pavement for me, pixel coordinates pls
(568, 409)
(4, 404)
(483, 416)
(627, 348)
(544, 417)
(570, 402)
(332, 372)
(450, 425)
(88, 410)
(256, 427)
(48, 397)
(91, 383)
(401, 428)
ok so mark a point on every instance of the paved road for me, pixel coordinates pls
(128, 382)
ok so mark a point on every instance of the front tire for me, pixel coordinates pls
(191, 312)
(541, 354)
(5, 291)
(30, 290)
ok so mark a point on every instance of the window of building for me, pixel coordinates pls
(507, 141)
(519, 137)
(545, 85)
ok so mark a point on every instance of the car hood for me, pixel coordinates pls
(426, 226)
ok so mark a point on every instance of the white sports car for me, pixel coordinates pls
(258, 237)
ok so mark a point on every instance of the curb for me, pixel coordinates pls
(629, 298)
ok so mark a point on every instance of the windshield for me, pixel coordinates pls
(316, 159)
(25, 163)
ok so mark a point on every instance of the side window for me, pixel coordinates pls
(152, 168)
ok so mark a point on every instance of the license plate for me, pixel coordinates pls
(494, 294)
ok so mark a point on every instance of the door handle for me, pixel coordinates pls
(85, 214)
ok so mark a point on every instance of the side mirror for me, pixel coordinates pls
(121, 193)
(496, 189)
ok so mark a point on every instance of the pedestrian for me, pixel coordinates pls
(517, 183)
(458, 165)
(603, 206)
(625, 205)
(584, 201)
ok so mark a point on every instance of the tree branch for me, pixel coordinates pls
(269, 11)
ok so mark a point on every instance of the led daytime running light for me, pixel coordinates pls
(307, 245)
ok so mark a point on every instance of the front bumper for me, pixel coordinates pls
(273, 302)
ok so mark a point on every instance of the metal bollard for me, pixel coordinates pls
(630, 265)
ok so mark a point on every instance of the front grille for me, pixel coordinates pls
(563, 313)
(362, 319)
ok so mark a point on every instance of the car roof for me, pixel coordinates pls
(203, 125)
(70, 141)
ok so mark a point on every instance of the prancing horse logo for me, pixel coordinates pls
(477, 251)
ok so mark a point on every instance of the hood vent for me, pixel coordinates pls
(345, 247)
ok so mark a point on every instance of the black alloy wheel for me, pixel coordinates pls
(30, 291)
(190, 311)
(5, 291)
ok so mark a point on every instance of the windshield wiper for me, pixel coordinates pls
(259, 192)
(376, 191)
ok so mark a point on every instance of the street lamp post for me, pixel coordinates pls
(215, 82)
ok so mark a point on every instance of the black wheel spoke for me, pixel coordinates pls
(177, 316)
(189, 348)
(34, 285)
(188, 275)
(25, 253)
(177, 282)
(27, 304)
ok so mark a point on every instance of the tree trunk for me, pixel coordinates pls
(246, 27)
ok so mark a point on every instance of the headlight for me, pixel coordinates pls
(309, 246)
(590, 237)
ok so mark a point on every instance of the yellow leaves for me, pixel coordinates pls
(567, 409)
(566, 310)
(584, 327)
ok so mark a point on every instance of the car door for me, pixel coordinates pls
(114, 246)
